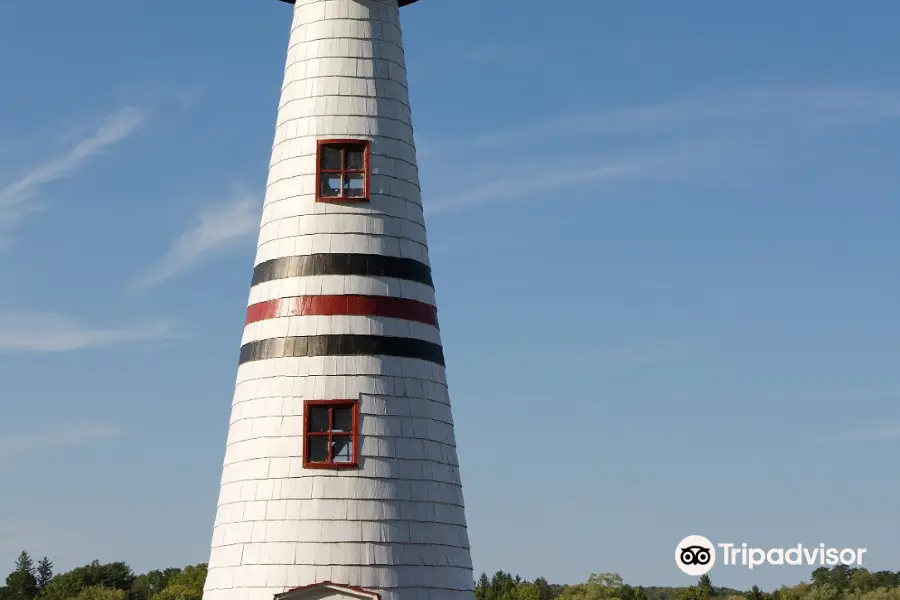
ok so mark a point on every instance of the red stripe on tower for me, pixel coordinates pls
(365, 306)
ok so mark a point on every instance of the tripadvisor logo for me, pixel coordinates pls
(695, 555)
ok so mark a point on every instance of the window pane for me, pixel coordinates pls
(331, 158)
(331, 186)
(354, 159)
(354, 185)
(342, 447)
(318, 418)
(318, 448)
(343, 419)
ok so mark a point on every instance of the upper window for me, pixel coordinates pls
(330, 434)
(343, 170)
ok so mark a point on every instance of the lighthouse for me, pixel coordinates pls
(340, 477)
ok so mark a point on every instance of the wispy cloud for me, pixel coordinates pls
(708, 108)
(17, 199)
(581, 178)
(71, 434)
(710, 133)
(51, 332)
(218, 228)
(509, 187)
(888, 431)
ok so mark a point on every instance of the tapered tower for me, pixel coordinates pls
(340, 476)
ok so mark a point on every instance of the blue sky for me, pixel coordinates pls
(665, 239)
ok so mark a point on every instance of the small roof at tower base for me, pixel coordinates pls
(315, 591)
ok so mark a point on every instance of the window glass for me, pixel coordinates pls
(318, 418)
(318, 448)
(343, 418)
(331, 158)
(342, 447)
(330, 435)
(331, 186)
(343, 172)
(355, 159)
(354, 185)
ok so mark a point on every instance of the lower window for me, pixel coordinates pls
(330, 434)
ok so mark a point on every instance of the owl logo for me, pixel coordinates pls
(695, 555)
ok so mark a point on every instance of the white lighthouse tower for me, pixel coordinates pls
(340, 477)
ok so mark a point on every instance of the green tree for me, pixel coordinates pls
(841, 575)
(599, 586)
(838, 576)
(483, 587)
(178, 592)
(528, 591)
(608, 581)
(548, 592)
(821, 576)
(692, 593)
(185, 585)
(797, 592)
(193, 576)
(24, 563)
(113, 576)
(100, 592)
(825, 591)
(861, 580)
(21, 583)
(885, 579)
(44, 573)
(500, 586)
(147, 585)
(755, 593)
(705, 586)
(883, 593)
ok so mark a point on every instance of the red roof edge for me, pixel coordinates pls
(354, 588)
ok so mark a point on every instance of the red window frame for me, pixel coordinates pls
(320, 172)
(331, 434)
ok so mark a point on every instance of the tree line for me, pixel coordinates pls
(838, 583)
(117, 581)
(95, 581)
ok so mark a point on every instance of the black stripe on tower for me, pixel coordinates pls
(341, 345)
(369, 265)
